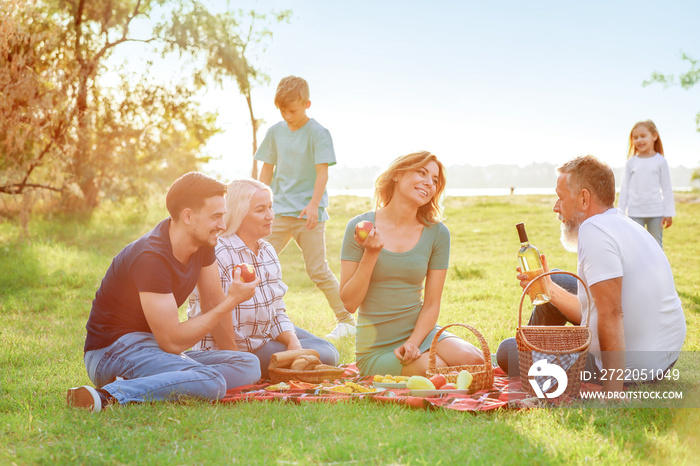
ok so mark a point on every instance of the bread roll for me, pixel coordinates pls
(299, 364)
(324, 367)
(285, 359)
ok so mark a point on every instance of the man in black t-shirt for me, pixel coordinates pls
(135, 349)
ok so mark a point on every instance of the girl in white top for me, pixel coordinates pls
(645, 192)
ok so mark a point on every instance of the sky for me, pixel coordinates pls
(475, 82)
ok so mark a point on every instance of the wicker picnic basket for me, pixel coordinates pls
(482, 373)
(558, 344)
(279, 374)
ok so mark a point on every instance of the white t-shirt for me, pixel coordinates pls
(611, 245)
(646, 190)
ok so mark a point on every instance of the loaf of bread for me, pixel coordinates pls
(324, 367)
(305, 362)
(284, 359)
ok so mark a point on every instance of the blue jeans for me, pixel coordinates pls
(543, 314)
(653, 226)
(151, 374)
(327, 352)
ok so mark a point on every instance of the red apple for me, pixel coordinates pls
(247, 272)
(362, 230)
(449, 386)
(438, 380)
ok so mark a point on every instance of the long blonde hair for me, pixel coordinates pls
(431, 212)
(240, 192)
(648, 124)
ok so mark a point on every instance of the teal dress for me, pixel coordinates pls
(387, 316)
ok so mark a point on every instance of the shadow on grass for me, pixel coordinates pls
(620, 427)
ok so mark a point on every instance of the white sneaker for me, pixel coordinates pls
(341, 330)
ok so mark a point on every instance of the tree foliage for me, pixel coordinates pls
(222, 54)
(686, 80)
(33, 103)
(66, 130)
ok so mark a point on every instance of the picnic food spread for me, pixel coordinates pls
(439, 381)
(340, 387)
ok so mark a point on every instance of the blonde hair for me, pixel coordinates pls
(648, 124)
(290, 90)
(429, 213)
(240, 193)
(587, 172)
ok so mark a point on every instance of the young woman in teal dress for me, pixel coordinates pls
(395, 277)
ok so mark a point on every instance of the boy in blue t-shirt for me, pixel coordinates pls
(296, 154)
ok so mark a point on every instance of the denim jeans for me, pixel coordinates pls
(313, 249)
(327, 352)
(151, 374)
(653, 226)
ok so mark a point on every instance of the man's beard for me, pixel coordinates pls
(569, 231)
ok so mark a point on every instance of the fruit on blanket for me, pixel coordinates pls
(247, 272)
(448, 386)
(362, 230)
(438, 380)
(464, 380)
(388, 378)
(418, 382)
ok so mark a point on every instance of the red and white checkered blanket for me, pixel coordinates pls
(505, 393)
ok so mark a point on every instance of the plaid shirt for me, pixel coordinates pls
(263, 317)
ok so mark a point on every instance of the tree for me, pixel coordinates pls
(67, 131)
(686, 80)
(255, 36)
(223, 54)
(32, 103)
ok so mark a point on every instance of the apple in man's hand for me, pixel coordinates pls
(362, 229)
(247, 272)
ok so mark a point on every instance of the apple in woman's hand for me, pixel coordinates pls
(362, 230)
(247, 272)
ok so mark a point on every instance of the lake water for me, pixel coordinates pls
(457, 192)
(463, 192)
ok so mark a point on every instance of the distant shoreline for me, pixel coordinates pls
(468, 192)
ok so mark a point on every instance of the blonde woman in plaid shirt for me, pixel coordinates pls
(261, 324)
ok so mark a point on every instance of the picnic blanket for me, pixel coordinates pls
(505, 393)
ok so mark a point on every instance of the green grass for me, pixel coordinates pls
(47, 285)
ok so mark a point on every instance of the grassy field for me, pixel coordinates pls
(47, 285)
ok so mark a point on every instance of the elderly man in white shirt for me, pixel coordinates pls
(637, 322)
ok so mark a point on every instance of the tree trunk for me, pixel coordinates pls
(83, 167)
(254, 123)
